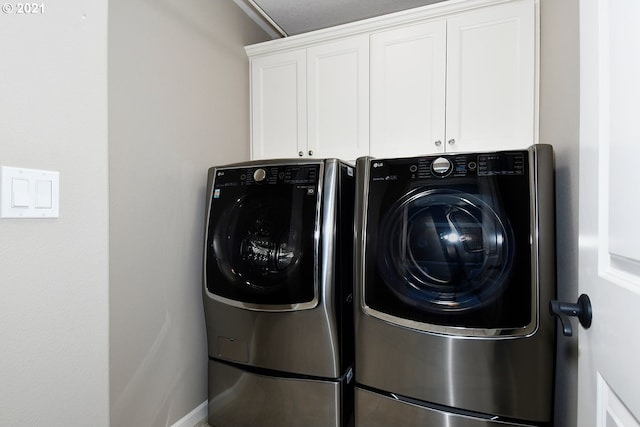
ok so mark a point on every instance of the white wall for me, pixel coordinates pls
(559, 126)
(178, 104)
(54, 272)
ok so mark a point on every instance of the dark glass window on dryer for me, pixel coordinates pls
(261, 243)
(446, 254)
(448, 251)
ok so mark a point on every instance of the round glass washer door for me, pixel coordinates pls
(444, 251)
(258, 245)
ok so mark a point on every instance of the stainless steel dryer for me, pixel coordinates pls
(278, 293)
(455, 267)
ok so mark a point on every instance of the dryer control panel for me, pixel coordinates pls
(501, 164)
(457, 165)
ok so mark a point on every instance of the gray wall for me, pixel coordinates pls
(559, 125)
(54, 272)
(178, 104)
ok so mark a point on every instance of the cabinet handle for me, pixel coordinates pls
(452, 141)
(311, 152)
(438, 143)
(300, 153)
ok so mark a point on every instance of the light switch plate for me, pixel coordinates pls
(29, 193)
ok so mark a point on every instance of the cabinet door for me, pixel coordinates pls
(278, 105)
(408, 90)
(491, 78)
(338, 99)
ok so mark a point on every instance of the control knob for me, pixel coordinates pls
(441, 167)
(259, 175)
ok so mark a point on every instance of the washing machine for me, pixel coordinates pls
(278, 293)
(455, 267)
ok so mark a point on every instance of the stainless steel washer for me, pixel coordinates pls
(278, 302)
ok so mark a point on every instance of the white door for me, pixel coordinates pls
(609, 222)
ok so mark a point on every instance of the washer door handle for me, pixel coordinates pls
(582, 310)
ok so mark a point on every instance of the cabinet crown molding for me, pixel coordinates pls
(405, 17)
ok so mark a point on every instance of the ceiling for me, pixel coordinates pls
(282, 18)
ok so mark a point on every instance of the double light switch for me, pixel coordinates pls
(29, 193)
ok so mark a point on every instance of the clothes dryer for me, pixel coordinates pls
(278, 293)
(455, 268)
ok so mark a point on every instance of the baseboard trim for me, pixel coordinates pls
(194, 417)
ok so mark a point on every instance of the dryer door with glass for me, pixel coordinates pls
(261, 244)
(448, 244)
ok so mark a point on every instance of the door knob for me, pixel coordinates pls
(310, 152)
(300, 153)
(438, 143)
(582, 310)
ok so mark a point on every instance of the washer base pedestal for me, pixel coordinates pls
(239, 398)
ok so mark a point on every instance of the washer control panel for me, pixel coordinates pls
(267, 175)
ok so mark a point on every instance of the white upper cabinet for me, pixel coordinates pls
(278, 105)
(449, 77)
(312, 102)
(408, 81)
(338, 99)
(464, 83)
(491, 87)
